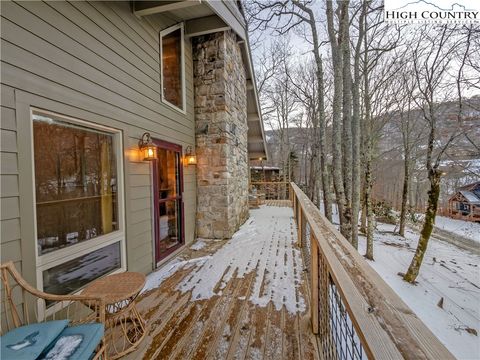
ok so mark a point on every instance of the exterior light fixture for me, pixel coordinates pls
(190, 157)
(260, 159)
(147, 148)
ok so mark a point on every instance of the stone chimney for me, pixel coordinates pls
(221, 135)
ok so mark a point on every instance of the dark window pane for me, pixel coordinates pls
(74, 274)
(172, 68)
(75, 183)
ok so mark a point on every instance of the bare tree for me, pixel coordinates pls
(284, 16)
(335, 38)
(431, 60)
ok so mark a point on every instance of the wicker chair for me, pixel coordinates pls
(23, 304)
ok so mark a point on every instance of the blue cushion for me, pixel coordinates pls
(28, 342)
(75, 342)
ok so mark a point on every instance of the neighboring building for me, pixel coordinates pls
(465, 204)
(81, 83)
(265, 173)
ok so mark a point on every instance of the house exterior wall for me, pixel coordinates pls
(94, 61)
(221, 135)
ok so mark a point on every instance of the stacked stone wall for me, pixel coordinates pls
(221, 135)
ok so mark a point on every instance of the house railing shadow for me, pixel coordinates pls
(354, 312)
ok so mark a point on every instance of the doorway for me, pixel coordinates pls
(168, 199)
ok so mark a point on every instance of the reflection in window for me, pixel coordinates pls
(172, 77)
(75, 183)
(74, 274)
(168, 177)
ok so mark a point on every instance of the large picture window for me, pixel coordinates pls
(78, 217)
(172, 67)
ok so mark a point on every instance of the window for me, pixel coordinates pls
(172, 67)
(79, 227)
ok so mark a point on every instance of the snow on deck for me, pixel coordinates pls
(264, 244)
(239, 298)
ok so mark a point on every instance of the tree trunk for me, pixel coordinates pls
(363, 218)
(433, 195)
(368, 203)
(368, 149)
(321, 122)
(406, 181)
(356, 131)
(337, 121)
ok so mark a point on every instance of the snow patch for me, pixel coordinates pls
(64, 347)
(155, 279)
(199, 245)
(468, 229)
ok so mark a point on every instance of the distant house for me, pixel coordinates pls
(465, 203)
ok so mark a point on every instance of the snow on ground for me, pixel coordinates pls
(468, 229)
(447, 271)
(265, 244)
(198, 245)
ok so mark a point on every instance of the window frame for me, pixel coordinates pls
(63, 255)
(182, 61)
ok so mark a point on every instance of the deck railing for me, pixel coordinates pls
(354, 312)
(273, 190)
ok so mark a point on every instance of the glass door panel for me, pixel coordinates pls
(168, 200)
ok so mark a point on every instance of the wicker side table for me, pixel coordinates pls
(124, 326)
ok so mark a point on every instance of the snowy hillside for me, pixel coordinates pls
(447, 272)
(466, 229)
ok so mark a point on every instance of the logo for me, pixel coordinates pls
(442, 11)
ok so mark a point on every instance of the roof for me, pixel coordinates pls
(470, 196)
(470, 187)
(209, 16)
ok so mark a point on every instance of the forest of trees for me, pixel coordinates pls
(366, 95)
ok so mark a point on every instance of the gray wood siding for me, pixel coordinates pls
(10, 247)
(97, 62)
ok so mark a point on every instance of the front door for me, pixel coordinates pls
(168, 202)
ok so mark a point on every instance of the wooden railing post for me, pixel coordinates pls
(294, 200)
(300, 227)
(314, 282)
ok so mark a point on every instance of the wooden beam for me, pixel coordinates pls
(143, 8)
(253, 117)
(205, 25)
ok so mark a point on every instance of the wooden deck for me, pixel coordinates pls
(227, 325)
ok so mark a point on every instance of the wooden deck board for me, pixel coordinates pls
(227, 325)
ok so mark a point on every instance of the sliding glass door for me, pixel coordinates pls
(168, 202)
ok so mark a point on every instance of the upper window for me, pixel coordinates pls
(77, 192)
(172, 67)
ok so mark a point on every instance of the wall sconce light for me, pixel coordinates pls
(147, 148)
(190, 157)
